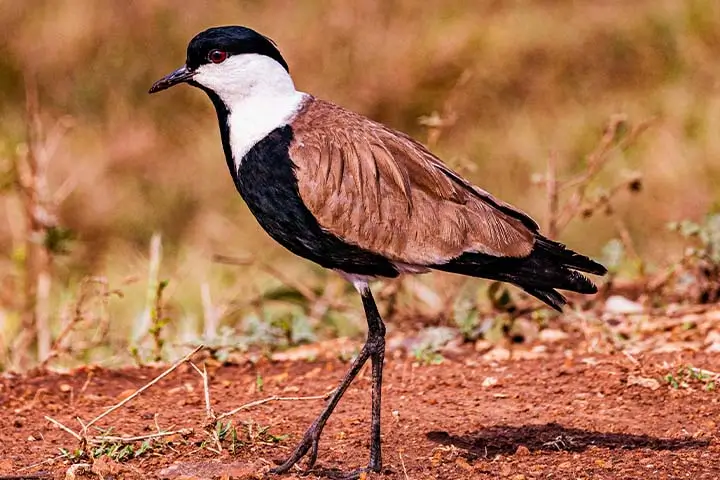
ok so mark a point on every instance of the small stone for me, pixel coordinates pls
(104, 467)
(77, 470)
(522, 451)
(644, 382)
(620, 305)
(463, 463)
(552, 335)
(497, 354)
(603, 464)
(64, 387)
(489, 382)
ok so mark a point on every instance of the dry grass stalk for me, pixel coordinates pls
(402, 463)
(560, 215)
(86, 440)
(211, 319)
(307, 293)
(31, 169)
(212, 419)
(553, 197)
(86, 295)
(142, 389)
(316, 305)
(437, 122)
(274, 398)
(183, 432)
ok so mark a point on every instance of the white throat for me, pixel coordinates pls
(259, 95)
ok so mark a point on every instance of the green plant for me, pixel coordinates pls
(425, 355)
(72, 455)
(697, 277)
(687, 376)
(158, 321)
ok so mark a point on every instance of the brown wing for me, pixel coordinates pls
(381, 190)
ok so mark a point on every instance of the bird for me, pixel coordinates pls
(357, 197)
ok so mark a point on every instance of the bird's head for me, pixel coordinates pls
(232, 62)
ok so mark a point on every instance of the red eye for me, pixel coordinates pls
(217, 56)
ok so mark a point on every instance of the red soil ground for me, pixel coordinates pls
(553, 413)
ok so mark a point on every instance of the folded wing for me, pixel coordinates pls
(384, 192)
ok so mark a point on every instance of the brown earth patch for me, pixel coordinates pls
(556, 414)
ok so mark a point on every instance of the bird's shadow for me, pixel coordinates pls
(504, 439)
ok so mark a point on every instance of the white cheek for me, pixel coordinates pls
(241, 76)
(259, 95)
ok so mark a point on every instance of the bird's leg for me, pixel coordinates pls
(374, 349)
(377, 356)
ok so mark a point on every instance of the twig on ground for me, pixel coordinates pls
(82, 436)
(274, 398)
(632, 359)
(37, 464)
(63, 427)
(402, 462)
(142, 389)
(211, 420)
(124, 439)
(206, 388)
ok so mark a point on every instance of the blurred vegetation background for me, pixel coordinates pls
(495, 87)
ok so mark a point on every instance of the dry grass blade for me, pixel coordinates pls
(64, 428)
(559, 216)
(209, 414)
(553, 197)
(142, 389)
(126, 439)
(78, 316)
(402, 463)
(39, 210)
(308, 294)
(274, 398)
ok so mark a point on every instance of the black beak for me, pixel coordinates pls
(181, 75)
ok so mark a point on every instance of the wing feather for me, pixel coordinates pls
(379, 189)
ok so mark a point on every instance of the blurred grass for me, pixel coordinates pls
(541, 76)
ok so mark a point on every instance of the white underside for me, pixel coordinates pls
(360, 282)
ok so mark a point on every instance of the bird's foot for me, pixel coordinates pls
(310, 442)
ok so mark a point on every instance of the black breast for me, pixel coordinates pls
(267, 182)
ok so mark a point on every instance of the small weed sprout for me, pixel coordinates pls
(697, 277)
(159, 321)
(426, 355)
(687, 376)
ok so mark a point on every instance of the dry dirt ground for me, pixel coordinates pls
(547, 413)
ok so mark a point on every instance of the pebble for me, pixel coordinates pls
(620, 305)
(522, 451)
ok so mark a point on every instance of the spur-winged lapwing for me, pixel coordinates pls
(360, 198)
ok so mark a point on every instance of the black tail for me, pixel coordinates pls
(550, 265)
